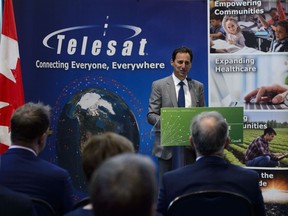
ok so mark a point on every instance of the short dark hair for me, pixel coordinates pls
(284, 24)
(216, 17)
(182, 49)
(29, 121)
(269, 130)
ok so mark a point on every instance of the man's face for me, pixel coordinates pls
(281, 33)
(269, 137)
(181, 65)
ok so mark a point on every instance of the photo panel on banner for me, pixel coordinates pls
(248, 67)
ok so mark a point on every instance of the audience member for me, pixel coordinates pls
(23, 171)
(209, 137)
(98, 149)
(15, 204)
(124, 185)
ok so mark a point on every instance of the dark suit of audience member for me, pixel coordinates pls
(15, 204)
(23, 171)
(164, 93)
(124, 185)
(209, 137)
(98, 149)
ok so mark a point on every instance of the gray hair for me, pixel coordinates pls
(209, 131)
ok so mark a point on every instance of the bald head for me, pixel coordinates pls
(209, 133)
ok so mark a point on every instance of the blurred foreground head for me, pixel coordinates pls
(101, 147)
(124, 185)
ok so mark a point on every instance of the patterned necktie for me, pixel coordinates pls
(181, 95)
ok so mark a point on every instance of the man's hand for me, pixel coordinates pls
(274, 93)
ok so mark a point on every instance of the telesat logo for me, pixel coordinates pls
(65, 41)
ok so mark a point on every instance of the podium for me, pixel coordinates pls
(175, 123)
(177, 151)
(178, 160)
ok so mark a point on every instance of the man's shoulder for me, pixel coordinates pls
(52, 168)
(259, 139)
(164, 79)
(198, 167)
(244, 171)
(194, 82)
(179, 172)
(256, 140)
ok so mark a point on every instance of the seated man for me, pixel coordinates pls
(23, 171)
(209, 137)
(124, 185)
(258, 153)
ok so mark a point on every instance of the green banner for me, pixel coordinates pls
(175, 124)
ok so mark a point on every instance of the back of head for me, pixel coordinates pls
(101, 147)
(29, 122)
(209, 132)
(124, 185)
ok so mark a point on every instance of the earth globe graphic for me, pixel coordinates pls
(90, 112)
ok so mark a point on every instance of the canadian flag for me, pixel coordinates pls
(11, 87)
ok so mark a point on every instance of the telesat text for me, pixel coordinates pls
(96, 47)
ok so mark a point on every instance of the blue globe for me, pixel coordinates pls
(89, 112)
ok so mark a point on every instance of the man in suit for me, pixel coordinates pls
(15, 204)
(209, 137)
(23, 171)
(165, 93)
(124, 185)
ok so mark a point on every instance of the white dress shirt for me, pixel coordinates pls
(188, 102)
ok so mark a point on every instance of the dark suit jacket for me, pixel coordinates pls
(15, 204)
(210, 173)
(163, 94)
(23, 172)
